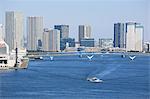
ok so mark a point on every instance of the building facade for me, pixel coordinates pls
(147, 47)
(14, 24)
(65, 41)
(134, 37)
(119, 35)
(2, 32)
(87, 42)
(51, 40)
(84, 32)
(64, 30)
(34, 32)
(105, 43)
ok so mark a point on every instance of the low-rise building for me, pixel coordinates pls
(89, 42)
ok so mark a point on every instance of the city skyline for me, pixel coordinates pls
(100, 14)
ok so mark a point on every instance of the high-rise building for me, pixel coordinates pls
(134, 38)
(51, 40)
(2, 33)
(14, 29)
(64, 30)
(119, 35)
(34, 32)
(84, 32)
(105, 43)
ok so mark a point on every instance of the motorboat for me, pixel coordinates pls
(94, 80)
(51, 58)
(123, 56)
(90, 57)
(132, 57)
(38, 58)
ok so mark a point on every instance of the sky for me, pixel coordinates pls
(100, 14)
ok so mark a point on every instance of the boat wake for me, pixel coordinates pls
(107, 71)
(101, 74)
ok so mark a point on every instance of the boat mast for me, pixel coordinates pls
(16, 63)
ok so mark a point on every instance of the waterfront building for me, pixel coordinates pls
(51, 40)
(134, 37)
(64, 30)
(87, 42)
(84, 32)
(14, 24)
(2, 32)
(34, 32)
(147, 46)
(70, 42)
(119, 35)
(105, 43)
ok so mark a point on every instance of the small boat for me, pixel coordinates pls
(107, 53)
(123, 56)
(51, 58)
(94, 80)
(132, 57)
(38, 58)
(90, 57)
(80, 55)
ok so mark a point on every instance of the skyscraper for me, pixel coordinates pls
(119, 35)
(51, 40)
(2, 35)
(14, 29)
(84, 32)
(64, 30)
(34, 32)
(134, 39)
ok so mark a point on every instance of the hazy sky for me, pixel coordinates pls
(100, 14)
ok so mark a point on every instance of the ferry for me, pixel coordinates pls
(6, 62)
(9, 60)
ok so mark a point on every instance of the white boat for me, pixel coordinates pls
(107, 53)
(22, 60)
(51, 58)
(132, 57)
(94, 80)
(90, 57)
(37, 58)
(8, 60)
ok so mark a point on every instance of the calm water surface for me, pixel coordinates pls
(65, 78)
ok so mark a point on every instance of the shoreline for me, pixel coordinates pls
(38, 54)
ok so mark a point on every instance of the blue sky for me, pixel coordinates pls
(100, 14)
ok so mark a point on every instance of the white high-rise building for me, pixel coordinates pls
(14, 23)
(2, 33)
(34, 32)
(51, 40)
(84, 32)
(139, 38)
(134, 37)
